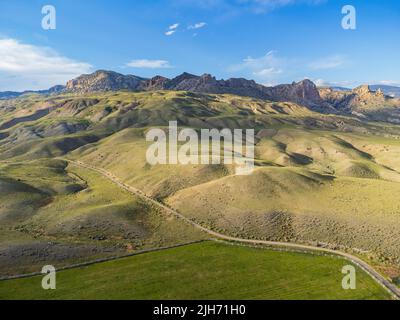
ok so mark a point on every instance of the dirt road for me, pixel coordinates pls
(386, 284)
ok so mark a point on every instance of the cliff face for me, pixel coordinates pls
(155, 83)
(103, 81)
(360, 101)
(304, 92)
(209, 84)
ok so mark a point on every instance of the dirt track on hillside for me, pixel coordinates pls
(390, 287)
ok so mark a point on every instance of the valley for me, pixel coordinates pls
(321, 179)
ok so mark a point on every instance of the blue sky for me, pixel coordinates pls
(270, 41)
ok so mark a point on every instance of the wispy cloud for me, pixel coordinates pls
(172, 29)
(268, 72)
(342, 84)
(331, 62)
(203, 4)
(174, 26)
(272, 68)
(389, 83)
(24, 66)
(265, 68)
(352, 84)
(149, 64)
(197, 25)
(264, 6)
(253, 6)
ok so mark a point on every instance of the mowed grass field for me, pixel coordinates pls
(207, 270)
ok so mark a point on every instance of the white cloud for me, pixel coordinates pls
(265, 68)
(172, 29)
(272, 68)
(268, 72)
(170, 33)
(321, 83)
(264, 6)
(149, 64)
(343, 84)
(174, 26)
(331, 62)
(203, 4)
(255, 6)
(197, 25)
(389, 83)
(25, 66)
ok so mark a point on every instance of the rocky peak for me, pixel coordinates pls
(306, 89)
(362, 90)
(241, 82)
(379, 93)
(182, 78)
(306, 83)
(304, 92)
(364, 93)
(155, 83)
(186, 75)
(102, 80)
(207, 79)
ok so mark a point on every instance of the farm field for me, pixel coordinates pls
(207, 270)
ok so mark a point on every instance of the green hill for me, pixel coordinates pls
(320, 179)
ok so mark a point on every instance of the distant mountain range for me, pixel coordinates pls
(391, 91)
(305, 93)
(388, 90)
(14, 94)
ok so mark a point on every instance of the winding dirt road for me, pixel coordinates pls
(386, 284)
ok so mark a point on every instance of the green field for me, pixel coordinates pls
(207, 270)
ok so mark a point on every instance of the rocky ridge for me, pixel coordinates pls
(304, 93)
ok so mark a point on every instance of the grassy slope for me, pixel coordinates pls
(293, 205)
(105, 211)
(124, 153)
(314, 185)
(74, 208)
(203, 271)
(355, 209)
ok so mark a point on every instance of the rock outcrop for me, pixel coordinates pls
(103, 81)
(304, 92)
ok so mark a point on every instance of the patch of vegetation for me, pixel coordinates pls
(318, 178)
(203, 271)
(51, 208)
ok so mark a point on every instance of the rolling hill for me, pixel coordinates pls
(326, 169)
